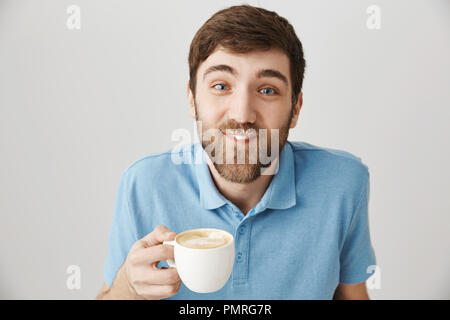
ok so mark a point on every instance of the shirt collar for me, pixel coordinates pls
(281, 193)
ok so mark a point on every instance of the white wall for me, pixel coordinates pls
(77, 107)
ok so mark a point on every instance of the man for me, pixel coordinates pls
(301, 230)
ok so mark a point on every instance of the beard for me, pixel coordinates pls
(237, 170)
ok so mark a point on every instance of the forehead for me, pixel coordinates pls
(247, 64)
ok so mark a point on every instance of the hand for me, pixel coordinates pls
(141, 266)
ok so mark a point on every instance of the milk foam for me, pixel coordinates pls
(212, 240)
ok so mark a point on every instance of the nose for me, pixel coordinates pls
(242, 108)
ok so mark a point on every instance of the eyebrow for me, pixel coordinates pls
(218, 67)
(263, 73)
(270, 73)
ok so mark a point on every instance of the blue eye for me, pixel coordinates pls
(268, 91)
(219, 86)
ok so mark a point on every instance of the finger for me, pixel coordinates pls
(160, 234)
(160, 291)
(158, 276)
(153, 254)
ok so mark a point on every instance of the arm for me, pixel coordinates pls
(355, 291)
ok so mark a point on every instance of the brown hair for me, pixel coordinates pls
(242, 29)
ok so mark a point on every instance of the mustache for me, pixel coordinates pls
(233, 125)
(238, 128)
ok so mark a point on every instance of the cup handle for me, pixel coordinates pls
(170, 262)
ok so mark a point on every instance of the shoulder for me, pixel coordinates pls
(161, 167)
(333, 165)
(336, 154)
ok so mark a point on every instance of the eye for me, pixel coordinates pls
(268, 91)
(219, 86)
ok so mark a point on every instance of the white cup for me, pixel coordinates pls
(203, 270)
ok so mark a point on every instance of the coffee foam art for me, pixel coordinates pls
(213, 240)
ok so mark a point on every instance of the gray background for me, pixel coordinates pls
(77, 107)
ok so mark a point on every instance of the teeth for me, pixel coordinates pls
(240, 134)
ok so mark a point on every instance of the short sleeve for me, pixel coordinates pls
(357, 253)
(122, 232)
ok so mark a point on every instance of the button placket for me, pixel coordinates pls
(242, 247)
(233, 210)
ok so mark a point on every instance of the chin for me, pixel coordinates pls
(239, 173)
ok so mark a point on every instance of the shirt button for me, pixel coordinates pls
(239, 257)
(242, 230)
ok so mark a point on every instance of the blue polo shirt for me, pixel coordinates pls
(308, 233)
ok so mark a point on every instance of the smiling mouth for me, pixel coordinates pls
(239, 136)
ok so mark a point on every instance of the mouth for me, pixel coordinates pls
(238, 136)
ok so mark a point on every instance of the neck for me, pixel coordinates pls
(244, 195)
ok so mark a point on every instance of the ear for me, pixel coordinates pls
(296, 111)
(191, 101)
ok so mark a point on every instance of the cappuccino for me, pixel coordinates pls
(203, 239)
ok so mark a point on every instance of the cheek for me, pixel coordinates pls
(211, 109)
(274, 119)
